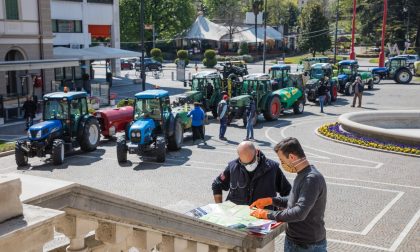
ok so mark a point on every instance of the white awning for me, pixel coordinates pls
(94, 53)
(247, 34)
(37, 64)
(203, 28)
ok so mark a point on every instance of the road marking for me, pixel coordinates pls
(358, 244)
(373, 182)
(405, 231)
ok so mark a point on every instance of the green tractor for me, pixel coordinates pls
(279, 75)
(347, 72)
(270, 103)
(156, 125)
(66, 124)
(317, 73)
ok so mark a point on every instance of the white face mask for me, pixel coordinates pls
(252, 166)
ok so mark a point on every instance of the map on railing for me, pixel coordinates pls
(229, 214)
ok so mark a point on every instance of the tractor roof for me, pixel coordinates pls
(207, 74)
(67, 95)
(152, 94)
(280, 67)
(348, 62)
(257, 76)
(321, 65)
(400, 57)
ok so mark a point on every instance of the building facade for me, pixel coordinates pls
(25, 34)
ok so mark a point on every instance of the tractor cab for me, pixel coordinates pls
(279, 75)
(395, 63)
(152, 109)
(317, 73)
(305, 64)
(320, 70)
(210, 85)
(347, 70)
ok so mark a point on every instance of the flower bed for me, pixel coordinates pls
(334, 131)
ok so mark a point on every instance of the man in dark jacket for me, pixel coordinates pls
(30, 110)
(322, 92)
(222, 114)
(250, 177)
(358, 91)
(250, 114)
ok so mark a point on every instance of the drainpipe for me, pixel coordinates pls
(41, 45)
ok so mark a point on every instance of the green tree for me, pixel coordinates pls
(314, 30)
(169, 17)
(282, 12)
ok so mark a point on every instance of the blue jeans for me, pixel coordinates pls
(291, 246)
(223, 127)
(321, 103)
(249, 129)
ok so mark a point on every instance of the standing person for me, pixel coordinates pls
(197, 123)
(222, 116)
(250, 114)
(30, 108)
(322, 91)
(328, 94)
(250, 177)
(358, 91)
(304, 207)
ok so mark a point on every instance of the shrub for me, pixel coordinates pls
(209, 63)
(243, 49)
(125, 102)
(182, 55)
(210, 54)
(248, 58)
(156, 53)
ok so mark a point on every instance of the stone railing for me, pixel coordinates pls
(95, 220)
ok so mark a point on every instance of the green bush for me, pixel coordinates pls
(210, 54)
(209, 63)
(182, 55)
(156, 53)
(411, 51)
(248, 58)
(243, 49)
(125, 102)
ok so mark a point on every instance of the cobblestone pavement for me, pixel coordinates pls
(373, 197)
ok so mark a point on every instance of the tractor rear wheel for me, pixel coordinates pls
(376, 79)
(175, 141)
(370, 84)
(121, 150)
(90, 137)
(349, 89)
(403, 76)
(273, 109)
(57, 152)
(298, 107)
(161, 150)
(20, 157)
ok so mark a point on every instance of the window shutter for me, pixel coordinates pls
(12, 9)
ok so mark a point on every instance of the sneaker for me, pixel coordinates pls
(251, 138)
(352, 106)
(246, 139)
(223, 138)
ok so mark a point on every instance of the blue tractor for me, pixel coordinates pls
(347, 73)
(396, 69)
(156, 125)
(66, 125)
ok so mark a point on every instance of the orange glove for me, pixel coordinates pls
(260, 214)
(261, 203)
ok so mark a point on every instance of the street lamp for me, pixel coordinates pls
(336, 31)
(381, 54)
(353, 29)
(256, 9)
(406, 12)
(265, 33)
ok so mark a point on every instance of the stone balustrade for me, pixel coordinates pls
(95, 220)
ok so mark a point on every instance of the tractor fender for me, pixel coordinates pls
(171, 125)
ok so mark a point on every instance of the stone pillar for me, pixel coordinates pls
(145, 240)
(114, 236)
(76, 228)
(10, 190)
(269, 247)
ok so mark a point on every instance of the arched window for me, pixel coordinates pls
(12, 9)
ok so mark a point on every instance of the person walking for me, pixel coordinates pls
(250, 114)
(327, 93)
(304, 208)
(249, 177)
(222, 117)
(322, 91)
(197, 124)
(30, 108)
(358, 91)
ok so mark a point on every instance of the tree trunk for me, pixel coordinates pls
(417, 44)
(313, 53)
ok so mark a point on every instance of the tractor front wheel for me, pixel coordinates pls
(57, 152)
(121, 150)
(175, 141)
(20, 156)
(403, 76)
(161, 150)
(273, 109)
(298, 107)
(90, 137)
(349, 89)
(370, 84)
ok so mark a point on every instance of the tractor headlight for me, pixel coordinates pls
(133, 134)
(138, 134)
(39, 134)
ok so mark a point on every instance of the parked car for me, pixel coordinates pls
(125, 64)
(149, 64)
(411, 58)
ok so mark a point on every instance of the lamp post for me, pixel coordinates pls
(256, 10)
(265, 33)
(336, 31)
(352, 54)
(142, 73)
(381, 54)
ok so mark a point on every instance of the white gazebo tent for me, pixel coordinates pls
(203, 28)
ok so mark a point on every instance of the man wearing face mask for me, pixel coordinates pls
(304, 207)
(250, 177)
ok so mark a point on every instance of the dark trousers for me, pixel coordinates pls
(198, 132)
(357, 96)
(223, 127)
